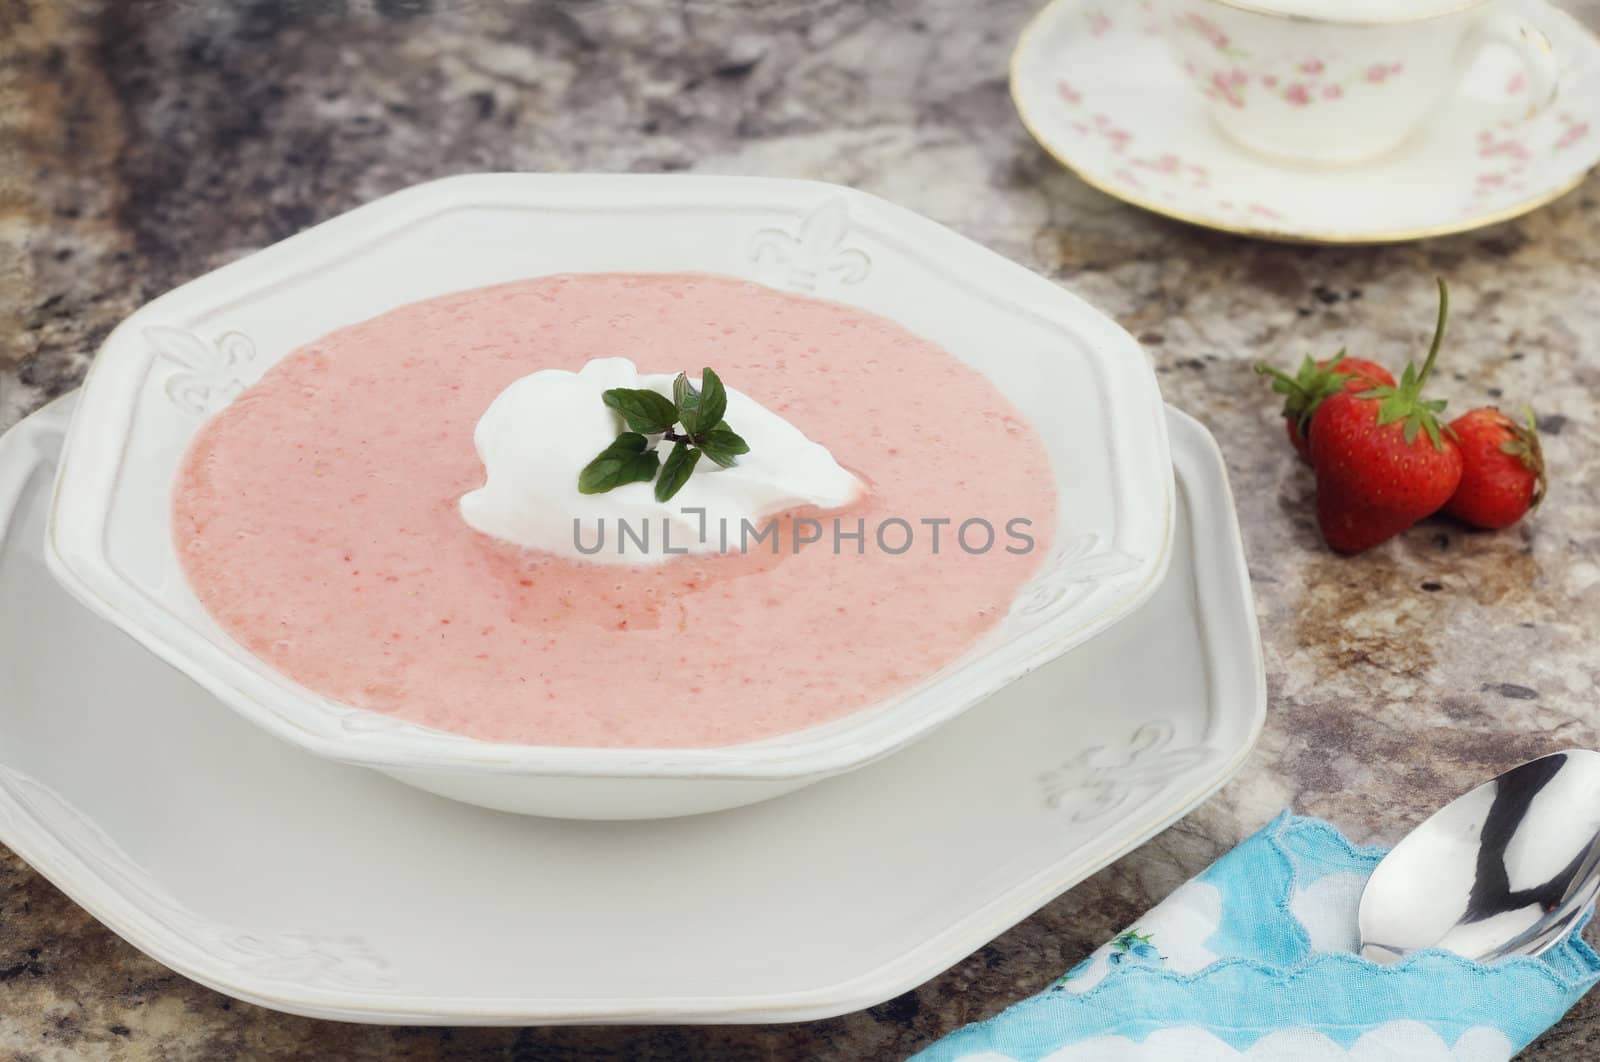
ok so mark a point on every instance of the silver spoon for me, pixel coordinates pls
(1503, 870)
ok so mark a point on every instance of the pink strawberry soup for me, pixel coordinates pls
(316, 519)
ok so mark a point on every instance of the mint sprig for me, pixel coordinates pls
(632, 458)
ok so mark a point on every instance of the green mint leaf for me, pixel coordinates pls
(643, 409)
(686, 399)
(713, 402)
(625, 461)
(723, 445)
(676, 470)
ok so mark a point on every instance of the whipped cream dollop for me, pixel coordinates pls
(539, 433)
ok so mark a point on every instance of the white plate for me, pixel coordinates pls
(1099, 89)
(325, 890)
(1068, 368)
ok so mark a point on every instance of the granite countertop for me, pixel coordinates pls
(146, 142)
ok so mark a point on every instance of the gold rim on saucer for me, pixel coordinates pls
(1336, 20)
(1043, 16)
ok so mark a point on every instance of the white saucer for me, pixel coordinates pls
(1099, 90)
(332, 891)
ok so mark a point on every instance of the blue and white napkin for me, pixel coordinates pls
(1256, 960)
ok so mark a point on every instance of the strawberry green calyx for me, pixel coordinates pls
(1305, 390)
(1404, 401)
(1524, 446)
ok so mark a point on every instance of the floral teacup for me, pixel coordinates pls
(1333, 81)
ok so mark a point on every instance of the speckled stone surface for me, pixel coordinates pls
(143, 142)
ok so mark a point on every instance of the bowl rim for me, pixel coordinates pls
(75, 535)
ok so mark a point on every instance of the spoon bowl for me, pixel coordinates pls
(1505, 869)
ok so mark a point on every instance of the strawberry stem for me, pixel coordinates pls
(1404, 402)
(1438, 334)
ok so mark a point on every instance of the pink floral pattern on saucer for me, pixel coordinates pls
(1573, 131)
(1211, 33)
(1299, 82)
(1103, 92)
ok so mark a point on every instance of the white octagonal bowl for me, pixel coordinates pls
(1079, 379)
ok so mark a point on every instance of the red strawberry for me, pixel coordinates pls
(1503, 469)
(1381, 460)
(1318, 380)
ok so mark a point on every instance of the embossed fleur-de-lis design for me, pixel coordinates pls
(815, 252)
(1086, 561)
(1103, 780)
(210, 374)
